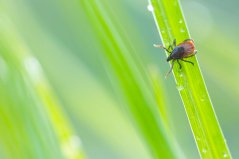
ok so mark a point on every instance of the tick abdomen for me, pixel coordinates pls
(189, 48)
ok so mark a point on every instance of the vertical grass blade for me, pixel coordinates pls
(190, 84)
(32, 122)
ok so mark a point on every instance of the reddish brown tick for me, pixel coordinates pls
(179, 52)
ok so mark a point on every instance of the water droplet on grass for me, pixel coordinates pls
(180, 21)
(182, 30)
(150, 8)
(225, 155)
(202, 99)
(198, 138)
(181, 74)
(180, 87)
(204, 150)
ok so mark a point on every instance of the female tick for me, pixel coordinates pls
(179, 52)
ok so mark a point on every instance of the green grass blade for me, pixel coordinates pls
(190, 84)
(130, 80)
(34, 126)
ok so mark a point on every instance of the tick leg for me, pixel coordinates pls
(170, 47)
(174, 42)
(187, 61)
(161, 46)
(170, 70)
(180, 66)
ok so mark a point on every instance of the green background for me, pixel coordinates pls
(59, 35)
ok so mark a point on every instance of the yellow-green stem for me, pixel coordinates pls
(190, 84)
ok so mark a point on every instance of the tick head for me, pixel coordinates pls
(169, 58)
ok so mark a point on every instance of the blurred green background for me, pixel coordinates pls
(55, 42)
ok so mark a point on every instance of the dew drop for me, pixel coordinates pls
(181, 74)
(182, 30)
(180, 87)
(180, 21)
(198, 138)
(150, 8)
(225, 155)
(204, 150)
(202, 99)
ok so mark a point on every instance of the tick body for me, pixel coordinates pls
(179, 52)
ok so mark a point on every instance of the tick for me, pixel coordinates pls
(179, 52)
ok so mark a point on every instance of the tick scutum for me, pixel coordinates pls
(177, 53)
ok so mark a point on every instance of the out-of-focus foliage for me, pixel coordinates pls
(32, 123)
(59, 36)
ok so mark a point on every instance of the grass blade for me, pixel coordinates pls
(34, 126)
(190, 84)
(130, 80)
